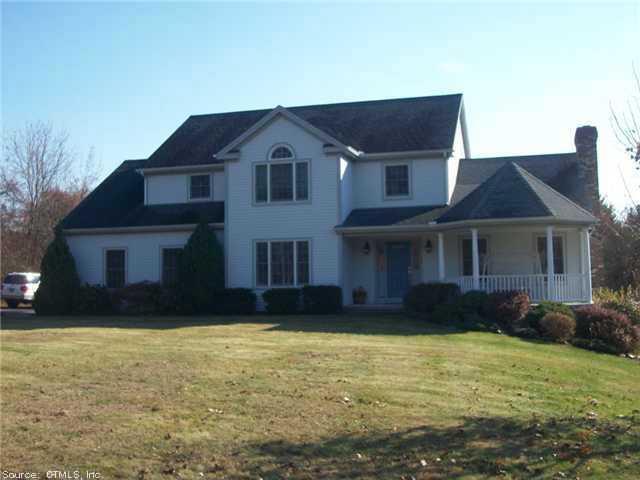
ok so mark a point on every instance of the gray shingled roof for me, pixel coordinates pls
(557, 170)
(384, 217)
(421, 123)
(119, 202)
(513, 192)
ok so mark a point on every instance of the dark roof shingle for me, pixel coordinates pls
(512, 192)
(380, 126)
(384, 217)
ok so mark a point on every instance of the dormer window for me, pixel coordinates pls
(282, 178)
(281, 152)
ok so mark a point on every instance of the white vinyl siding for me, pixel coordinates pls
(174, 188)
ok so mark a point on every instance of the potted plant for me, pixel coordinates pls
(359, 296)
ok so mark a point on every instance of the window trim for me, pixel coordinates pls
(295, 241)
(199, 199)
(461, 240)
(104, 264)
(293, 156)
(563, 239)
(161, 249)
(409, 166)
(268, 164)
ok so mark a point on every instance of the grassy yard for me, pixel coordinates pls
(325, 397)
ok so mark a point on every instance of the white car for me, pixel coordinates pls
(19, 287)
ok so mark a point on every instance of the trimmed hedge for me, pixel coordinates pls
(558, 327)
(234, 301)
(425, 297)
(145, 298)
(537, 313)
(322, 299)
(508, 308)
(92, 300)
(626, 307)
(607, 329)
(474, 301)
(282, 301)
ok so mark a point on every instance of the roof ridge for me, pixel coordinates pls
(525, 173)
(335, 104)
(518, 156)
(520, 171)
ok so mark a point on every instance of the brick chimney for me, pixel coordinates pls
(586, 139)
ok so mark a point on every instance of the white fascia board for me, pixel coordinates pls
(181, 169)
(145, 229)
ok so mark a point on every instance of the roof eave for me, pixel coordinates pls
(139, 229)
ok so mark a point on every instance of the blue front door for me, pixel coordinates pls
(398, 260)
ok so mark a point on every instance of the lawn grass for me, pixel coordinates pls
(310, 397)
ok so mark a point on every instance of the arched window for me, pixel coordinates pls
(281, 152)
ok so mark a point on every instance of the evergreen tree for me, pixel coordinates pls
(59, 281)
(201, 270)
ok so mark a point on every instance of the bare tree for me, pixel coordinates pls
(39, 183)
(626, 123)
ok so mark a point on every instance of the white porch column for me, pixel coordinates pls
(476, 259)
(585, 263)
(550, 266)
(441, 272)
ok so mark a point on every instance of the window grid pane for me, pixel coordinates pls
(170, 265)
(397, 180)
(302, 252)
(281, 263)
(282, 182)
(302, 181)
(115, 260)
(467, 256)
(262, 263)
(558, 254)
(200, 186)
(282, 152)
(261, 179)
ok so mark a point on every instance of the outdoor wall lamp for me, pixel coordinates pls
(366, 249)
(428, 246)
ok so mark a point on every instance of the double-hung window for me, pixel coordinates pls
(200, 187)
(115, 267)
(282, 263)
(282, 179)
(396, 181)
(170, 265)
(467, 256)
(558, 254)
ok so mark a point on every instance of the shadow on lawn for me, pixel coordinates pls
(486, 447)
(374, 324)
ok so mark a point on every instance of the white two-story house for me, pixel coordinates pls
(379, 195)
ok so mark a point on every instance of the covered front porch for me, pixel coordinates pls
(549, 262)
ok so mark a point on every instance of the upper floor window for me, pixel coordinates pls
(282, 179)
(396, 181)
(281, 152)
(200, 187)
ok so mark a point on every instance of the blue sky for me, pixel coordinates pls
(121, 77)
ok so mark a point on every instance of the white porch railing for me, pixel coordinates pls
(565, 287)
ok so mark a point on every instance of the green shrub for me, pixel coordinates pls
(59, 281)
(473, 301)
(92, 300)
(201, 270)
(537, 312)
(144, 298)
(447, 314)
(282, 301)
(322, 299)
(627, 307)
(558, 327)
(424, 297)
(234, 301)
(508, 308)
(607, 327)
